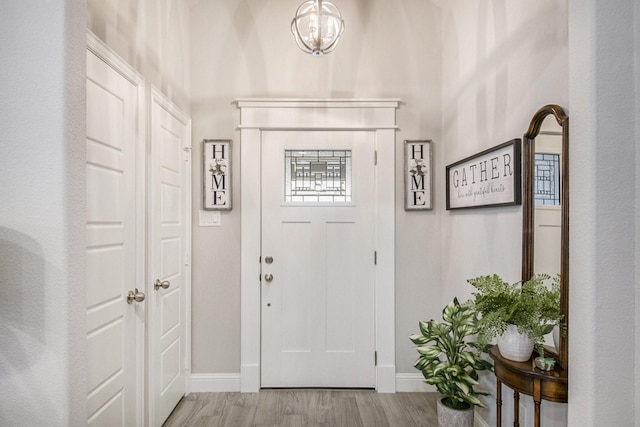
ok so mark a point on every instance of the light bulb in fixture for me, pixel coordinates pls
(317, 26)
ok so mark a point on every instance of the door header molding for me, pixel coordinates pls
(318, 102)
(310, 114)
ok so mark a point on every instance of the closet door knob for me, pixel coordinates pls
(136, 296)
(164, 284)
(268, 277)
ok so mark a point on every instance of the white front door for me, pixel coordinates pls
(169, 253)
(115, 258)
(318, 234)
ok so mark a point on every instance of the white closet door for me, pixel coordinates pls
(169, 253)
(115, 256)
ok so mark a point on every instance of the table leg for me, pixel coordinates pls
(516, 409)
(536, 413)
(498, 403)
(537, 398)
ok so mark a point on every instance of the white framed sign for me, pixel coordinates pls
(489, 178)
(216, 172)
(418, 175)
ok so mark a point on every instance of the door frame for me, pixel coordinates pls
(375, 115)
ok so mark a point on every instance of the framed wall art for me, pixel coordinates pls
(489, 178)
(418, 175)
(216, 172)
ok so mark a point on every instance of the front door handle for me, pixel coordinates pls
(164, 284)
(136, 296)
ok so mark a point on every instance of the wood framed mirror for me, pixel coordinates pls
(545, 206)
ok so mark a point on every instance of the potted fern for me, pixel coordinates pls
(450, 362)
(525, 311)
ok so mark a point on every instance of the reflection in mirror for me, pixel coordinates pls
(546, 196)
(545, 206)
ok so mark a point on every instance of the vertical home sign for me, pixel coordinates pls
(216, 160)
(418, 176)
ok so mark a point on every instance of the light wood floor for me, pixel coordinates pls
(340, 408)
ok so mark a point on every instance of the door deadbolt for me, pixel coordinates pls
(268, 260)
(136, 296)
(164, 284)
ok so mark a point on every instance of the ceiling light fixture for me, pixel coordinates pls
(317, 26)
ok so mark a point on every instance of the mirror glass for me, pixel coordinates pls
(545, 207)
(546, 198)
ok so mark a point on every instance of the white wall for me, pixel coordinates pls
(605, 125)
(42, 193)
(636, 27)
(153, 37)
(245, 49)
(502, 61)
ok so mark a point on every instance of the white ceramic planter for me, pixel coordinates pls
(515, 346)
(448, 417)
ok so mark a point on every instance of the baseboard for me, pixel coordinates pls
(407, 383)
(215, 383)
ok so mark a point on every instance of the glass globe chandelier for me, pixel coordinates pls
(317, 26)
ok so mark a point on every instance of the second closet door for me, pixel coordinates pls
(169, 253)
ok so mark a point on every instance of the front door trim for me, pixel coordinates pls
(258, 115)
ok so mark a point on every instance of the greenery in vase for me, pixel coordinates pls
(532, 306)
(448, 360)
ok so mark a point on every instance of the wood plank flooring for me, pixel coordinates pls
(302, 407)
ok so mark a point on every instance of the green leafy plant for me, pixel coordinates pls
(448, 360)
(532, 306)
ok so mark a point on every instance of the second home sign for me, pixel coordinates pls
(418, 176)
(216, 156)
(489, 178)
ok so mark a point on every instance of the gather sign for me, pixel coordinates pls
(489, 178)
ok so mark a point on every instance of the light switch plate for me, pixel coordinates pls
(209, 219)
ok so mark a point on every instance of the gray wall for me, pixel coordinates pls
(245, 49)
(42, 215)
(502, 61)
(604, 380)
(153, 37)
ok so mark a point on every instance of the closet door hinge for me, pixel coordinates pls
(187, 258)
(375, 158)
(187, 154)
(375, 257)
(375, 358)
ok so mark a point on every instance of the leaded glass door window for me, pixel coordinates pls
(313, 176)
(547, 179)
